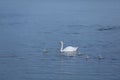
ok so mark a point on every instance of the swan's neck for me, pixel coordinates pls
(61, 49)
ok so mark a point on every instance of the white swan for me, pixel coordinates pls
(45, 50)
(100, 57)
(68, 48)
(87, 57)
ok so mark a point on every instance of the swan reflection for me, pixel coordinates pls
(69, 53)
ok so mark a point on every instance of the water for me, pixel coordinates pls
(27, 27)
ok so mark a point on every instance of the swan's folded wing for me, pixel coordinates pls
(70, 48)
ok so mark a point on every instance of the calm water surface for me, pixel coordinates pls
(27, 27)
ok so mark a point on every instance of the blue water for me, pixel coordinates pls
(27, 27)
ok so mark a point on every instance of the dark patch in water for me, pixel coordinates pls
(108, 28)
(114, 59)
(72, 33)
(76, 25)
(8, 56)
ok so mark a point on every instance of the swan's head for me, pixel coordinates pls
(61, 42)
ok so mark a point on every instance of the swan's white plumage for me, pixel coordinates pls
(68, 48)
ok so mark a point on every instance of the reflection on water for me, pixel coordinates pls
(69, 53)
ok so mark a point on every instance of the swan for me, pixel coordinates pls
(87, 57)
(68, 48)
(80, 54)
(100, 57)
(45, 50)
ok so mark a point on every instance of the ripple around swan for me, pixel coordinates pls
(71, 54)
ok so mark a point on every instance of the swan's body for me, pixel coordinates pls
(100, 57)
(80, 54)
(87, 57)
(68, 48)
(45, 50)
